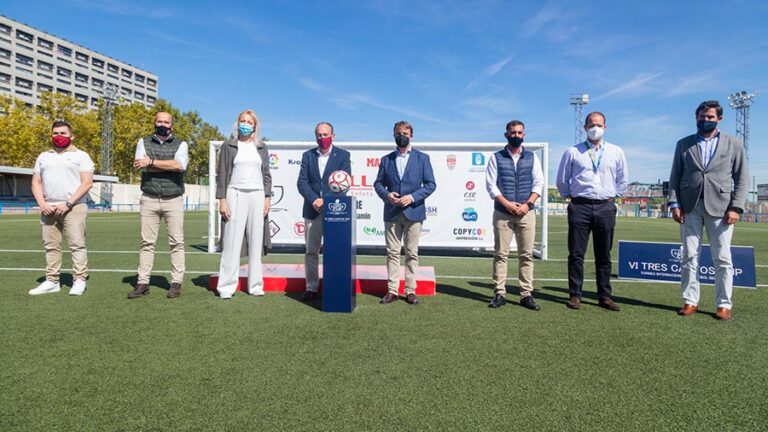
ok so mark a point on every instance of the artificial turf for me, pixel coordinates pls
(101, 362)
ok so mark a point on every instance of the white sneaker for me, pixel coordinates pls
(78, 287)
(257, 293)
(47, 287)
(225, 296)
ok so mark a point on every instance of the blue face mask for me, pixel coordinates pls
(245, 129)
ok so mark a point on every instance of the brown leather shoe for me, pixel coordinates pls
(723, 314)
(609, 304)
(175, 290)
(412, 299)
(574, 303)
(139, 291)
(389, 298)
(688, 310)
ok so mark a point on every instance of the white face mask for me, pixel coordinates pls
(595, 133)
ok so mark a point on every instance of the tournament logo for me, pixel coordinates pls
(451, 161)
(469, 214)
(337, 207)
(299, 228)
(677, 254)
(274, 161)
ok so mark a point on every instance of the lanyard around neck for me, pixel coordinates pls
(596, 156)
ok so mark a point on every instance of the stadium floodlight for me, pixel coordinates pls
(741, 101)
(578, 101)
(109, 95)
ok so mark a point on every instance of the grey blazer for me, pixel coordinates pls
(725, 180)
(224, 175)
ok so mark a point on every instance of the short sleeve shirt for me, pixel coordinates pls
(60, 173)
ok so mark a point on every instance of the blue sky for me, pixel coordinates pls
(458, 70)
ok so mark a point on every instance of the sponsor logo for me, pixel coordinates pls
(337, 207)
(469, 215)
(431, 211)
(450, 160)
(274, 161)
(363, 216)
(278, 193)
(359, 205)
(299, 228)
(372, 231)
(361, 186)
(469, 185)
(470, 196)
(294, 162)
(478, 162)
(470, 233)
(372, 162)
(274, 228)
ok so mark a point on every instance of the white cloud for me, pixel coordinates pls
(634, 86)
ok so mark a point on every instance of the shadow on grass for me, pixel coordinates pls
(154, 281)
(455, 291)
(64, 279)
(315, 304)
(592, 296)
(200, 247)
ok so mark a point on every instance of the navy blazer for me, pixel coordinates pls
(311, 185)
(418, 181)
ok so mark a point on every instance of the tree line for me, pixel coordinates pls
(25, 132)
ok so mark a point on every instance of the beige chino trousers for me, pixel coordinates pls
(72, 225)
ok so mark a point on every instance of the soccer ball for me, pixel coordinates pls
(339, 181)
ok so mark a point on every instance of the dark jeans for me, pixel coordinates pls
(600, 219)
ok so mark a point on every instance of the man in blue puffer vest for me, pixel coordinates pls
(514, 180)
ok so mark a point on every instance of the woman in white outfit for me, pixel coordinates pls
(244, 190)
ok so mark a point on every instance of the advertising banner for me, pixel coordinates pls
(662, 262)
(459, 213)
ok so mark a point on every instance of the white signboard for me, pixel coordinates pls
(459, 212)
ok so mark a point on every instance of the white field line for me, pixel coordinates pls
(480, 278)
(275, 254)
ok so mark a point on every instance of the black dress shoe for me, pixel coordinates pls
(412, 299)
(529, 303)
(389, 298)
(609, 304)
(308, 296)
(139, 291)
(498, 301)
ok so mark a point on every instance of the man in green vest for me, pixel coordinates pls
(163, 158)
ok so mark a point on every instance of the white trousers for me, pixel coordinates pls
(719, 234)
(246, 218)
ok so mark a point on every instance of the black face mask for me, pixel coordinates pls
(402, 141)
(515, 142)
(162, 130)
(706, 126)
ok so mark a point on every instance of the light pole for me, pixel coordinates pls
(109, 95)
(578, 101)
(741, 101)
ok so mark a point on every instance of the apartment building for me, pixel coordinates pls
(32, 62)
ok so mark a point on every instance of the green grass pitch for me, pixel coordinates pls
(103, 363)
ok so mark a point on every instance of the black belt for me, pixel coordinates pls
(583, 200)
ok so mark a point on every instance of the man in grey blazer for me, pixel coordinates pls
(707, 190)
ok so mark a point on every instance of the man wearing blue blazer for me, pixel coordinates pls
(404, 181)
(317, 164)
(708, 189)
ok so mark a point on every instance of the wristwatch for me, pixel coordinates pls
(69, 205)
(530, 205)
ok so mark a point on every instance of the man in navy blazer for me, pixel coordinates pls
(317, 164)
(404, 181)
(708, 189)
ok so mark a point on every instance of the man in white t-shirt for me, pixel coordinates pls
(62, 178)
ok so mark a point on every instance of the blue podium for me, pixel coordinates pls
(339, 253)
